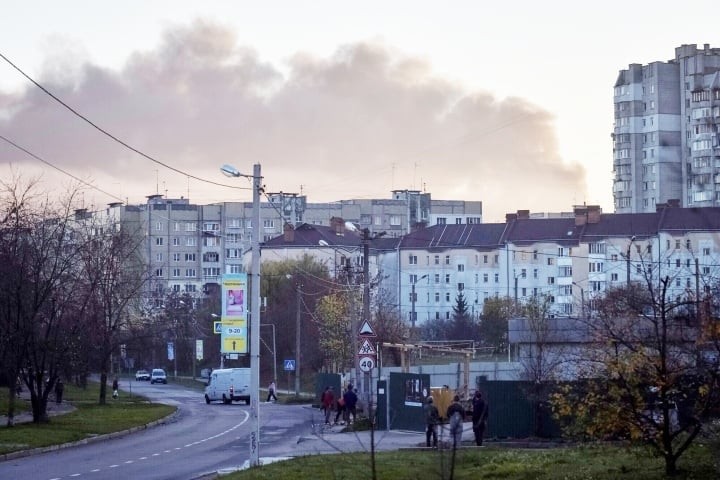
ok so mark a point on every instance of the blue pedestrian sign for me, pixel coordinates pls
(289, 365)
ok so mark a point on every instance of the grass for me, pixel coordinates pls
(572, 463)
(88, 420)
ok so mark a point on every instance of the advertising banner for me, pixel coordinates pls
(234, 314)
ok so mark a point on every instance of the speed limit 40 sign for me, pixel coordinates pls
(366, 364)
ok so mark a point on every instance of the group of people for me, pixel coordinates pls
(345, 405)
(456, 415)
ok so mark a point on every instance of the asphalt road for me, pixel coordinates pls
(200, 439)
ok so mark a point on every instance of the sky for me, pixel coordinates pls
(509, 103)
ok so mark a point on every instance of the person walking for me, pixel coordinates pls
(350, 397)
(479, 417)
(328, 399)
(271, 392)
(340, 410)
(115, 387)
(456, 416)
(59, 389)
(432, 418)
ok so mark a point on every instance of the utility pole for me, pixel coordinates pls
(297, 338)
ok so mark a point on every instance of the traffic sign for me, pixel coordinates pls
(366, 364)
(366, 330)
(217, 328)
(289, 365)
(366, 348)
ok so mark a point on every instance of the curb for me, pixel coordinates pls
(86, 441)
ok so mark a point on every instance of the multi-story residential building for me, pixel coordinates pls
(568, 260)
(665, 136)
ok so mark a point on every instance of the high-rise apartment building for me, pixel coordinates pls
(665, 136)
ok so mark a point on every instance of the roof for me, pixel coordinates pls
(307, 235)
(486, 235)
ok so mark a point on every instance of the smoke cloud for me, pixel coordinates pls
(357, 124)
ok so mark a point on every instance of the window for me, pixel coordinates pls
(234, 268)
(159, 226)
(441, 220)
(158, 240)
(485, 278)
(596, 266)
(159, 257)
(269, 223)
(176, 242)
(551, 281)
(461, 267)
(190, 227)
(447, 259)
(566, 271)
(234, 223)
(233, 238)
(461, 287)
(190, 272)
(176, 257)
(437, 259)
(232, 253)
(413, 279)
(189, 287)
(447, 278)
(706, 270)
(214, 271)
(176, 227)
(190, 257)
(437, 278)
(497, 278)
(706, 251)
(535, 255)
(211, 226)
(395, 220)
(535, 273)
(613, 277)
(485, 259)
(176, 288)
(550, 261)
(458, 221)
(614, 257)
(447, 296)
(597, 248)
(159, 272)
(688, 245)
(192, 241)
(437, 297)
(413, 259)
(175, 272)
(523, 273)
(211, 242)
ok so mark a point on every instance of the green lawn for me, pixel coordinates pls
(572, 463)
(88, 420)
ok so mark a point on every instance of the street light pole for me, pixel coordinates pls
(254, 320)
(627, 259)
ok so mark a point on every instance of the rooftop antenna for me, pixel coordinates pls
(157, 182)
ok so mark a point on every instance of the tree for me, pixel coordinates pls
(39, 308)
(540, 363)
(334, 319)
(493, 328)
(113, 276)
(653, 372)
(462, 326)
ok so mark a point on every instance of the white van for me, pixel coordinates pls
(228, 384)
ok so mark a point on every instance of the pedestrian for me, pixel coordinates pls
(328, 399)
(59, 389)
(432, 418)
(271, 392)
(340, 410)
(115, 393)
(456, 416)
(350, 398)
(479, 417)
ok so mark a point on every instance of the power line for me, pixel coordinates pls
(36, 157)
(113, 137)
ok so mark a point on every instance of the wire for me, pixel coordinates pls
(36, 157)
(113, 137)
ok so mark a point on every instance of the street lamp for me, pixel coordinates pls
(413, 298)
(254, 320)
(627, 259)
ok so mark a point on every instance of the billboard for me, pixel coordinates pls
(234, 314)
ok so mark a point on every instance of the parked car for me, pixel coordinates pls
(158, 376)
(142, 376)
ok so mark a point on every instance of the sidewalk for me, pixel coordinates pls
(25, 415)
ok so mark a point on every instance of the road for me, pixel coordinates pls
(199, 439)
